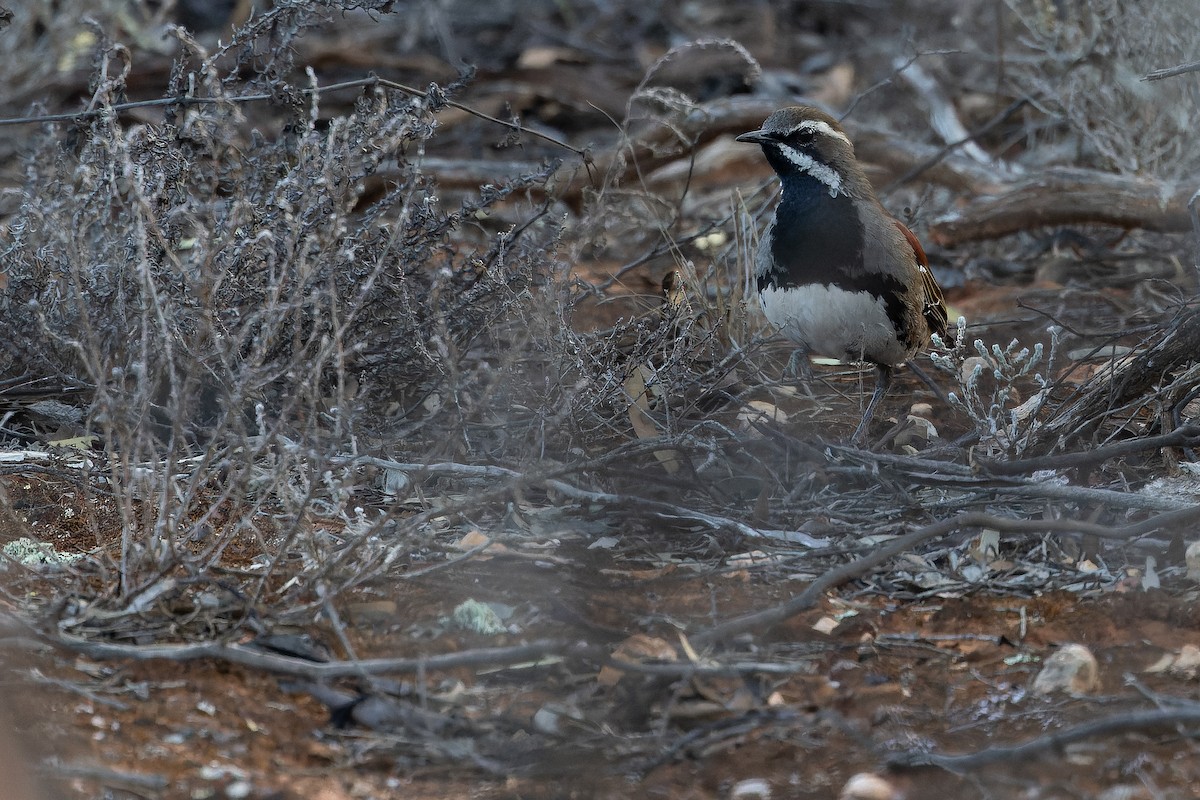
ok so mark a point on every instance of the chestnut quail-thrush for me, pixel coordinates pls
(835, 272)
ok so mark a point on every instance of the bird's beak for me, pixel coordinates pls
(754, 137)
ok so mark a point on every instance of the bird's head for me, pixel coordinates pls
(805, 141)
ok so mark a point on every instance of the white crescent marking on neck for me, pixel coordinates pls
(822, 172)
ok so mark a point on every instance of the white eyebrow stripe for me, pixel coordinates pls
(820, 126)
(822, 172)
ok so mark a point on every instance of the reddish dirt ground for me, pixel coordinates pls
(950, 674)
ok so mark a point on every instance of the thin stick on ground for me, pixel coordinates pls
(302, 668)
(1136, 721)
(1185, 436)
(761, 621)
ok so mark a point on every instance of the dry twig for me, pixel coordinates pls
(1131, 380)
(302, 668)
(763, 620)
(1186, 436)
(1138, 721)
(1171, 72)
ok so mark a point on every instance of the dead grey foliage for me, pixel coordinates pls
(238, 306)
(1088, 68)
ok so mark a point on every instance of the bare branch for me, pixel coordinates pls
(289, 665)
(1171, 72)
(1067, 196)
(1134, 722)
(762, 621)
(1186, 436)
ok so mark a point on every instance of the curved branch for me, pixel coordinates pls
(1116, 724)
(1067, 196)
(762, 620)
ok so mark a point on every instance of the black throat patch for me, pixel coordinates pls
(818, 239)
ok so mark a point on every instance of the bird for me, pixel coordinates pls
(835, 272)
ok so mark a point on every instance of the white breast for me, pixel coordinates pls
(834, 322)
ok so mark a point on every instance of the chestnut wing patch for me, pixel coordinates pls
(934, 307)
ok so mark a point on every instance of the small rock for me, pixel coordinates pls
(550, 718)
(211, 772)
(1192, 558)
(1126, 791)
(918, 431)
(760, 412)
(868, 786)
(238, 790)
(546, 720)
(921, 410)
(1072, 669)
(751, 789)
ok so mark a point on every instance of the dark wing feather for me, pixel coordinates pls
(934, 307)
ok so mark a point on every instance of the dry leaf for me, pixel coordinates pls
(637, 648)
(473, 539)
(1164, 663)
(1189, 658)
(760, 412)
(1186, 662)
(751, 558)
(637, 387)
(985, 546)
(543, 57)
(917, 431)
(689, 652)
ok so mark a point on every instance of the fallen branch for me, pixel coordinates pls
(1053, 742)
(254, 658)
(962, 478)
(1128, 381)
(658, 507)
(1185, 436)
(674, 512)
(930, 163)
(760, 621)
(1067, 196)
(1171, 72)
(1041, 490)
(110, 777)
